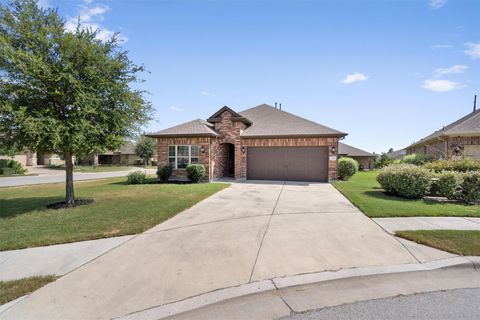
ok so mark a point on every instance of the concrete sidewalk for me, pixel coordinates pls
(53, 260)
(247, 234)
(428, 223)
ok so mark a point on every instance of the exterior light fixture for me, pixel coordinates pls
(242, 149)
(333, 148)
(202, 149)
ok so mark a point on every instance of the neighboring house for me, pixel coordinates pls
(397, 154)
(460, 139)
(26, 158)
(124, 156)
(261, 143)
(365, 159)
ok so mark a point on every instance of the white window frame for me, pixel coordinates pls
(189, 154)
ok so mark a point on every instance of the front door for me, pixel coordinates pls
(231, 160)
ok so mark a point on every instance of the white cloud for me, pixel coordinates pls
(208, 94)
(176, 109)
(442, 46)
(437, 85)
(473, 50)
(452, 70)
(437, 4)
(354, 77)
(90, 17)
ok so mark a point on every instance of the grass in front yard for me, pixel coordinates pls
(11, 290)
(364, 191)
(119, 209)
(462, 242)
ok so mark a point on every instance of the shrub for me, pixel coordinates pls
(454, 165)
(448, 184)
(136, 177)
(382, 161)
(347, 167)
(418, 159)
(164, 173)
(195, 172)
(154, 163)
(11, 167)
(470, 187)
(405, 180)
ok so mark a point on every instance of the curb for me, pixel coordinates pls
(212, 297)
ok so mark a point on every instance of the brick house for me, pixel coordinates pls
(365, 159)
(460, 139)
(261, 143)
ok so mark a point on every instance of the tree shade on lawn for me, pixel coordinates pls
(64, 92)
(119, 209)
(364, 191)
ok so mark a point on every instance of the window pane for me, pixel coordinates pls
(171, 161)
(171, 151)
(182, 162)
(194, 151)
(194, 160)
(182, 151)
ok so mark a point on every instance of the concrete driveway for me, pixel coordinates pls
(248, 232)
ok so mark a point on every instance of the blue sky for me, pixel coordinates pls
(386, 72)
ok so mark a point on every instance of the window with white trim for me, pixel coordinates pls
(180, 156)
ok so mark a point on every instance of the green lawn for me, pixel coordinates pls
(365, 192)
(11, 290)
(462, 242)
(17, 175)
(119, 209)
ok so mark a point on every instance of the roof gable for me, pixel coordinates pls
(271, 122)
(348, 150)
(235, 116)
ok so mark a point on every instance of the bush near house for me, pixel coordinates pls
(11, 167)
(136, 177)
(195, 172)
(417, 159)
(448, 184)
(406, 180)
(164, 173)
(347, 167)
(454, 165)
(382, 161)
(470, 187)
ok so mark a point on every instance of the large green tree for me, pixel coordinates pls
(64, 92)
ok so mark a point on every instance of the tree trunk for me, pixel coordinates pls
(70, 197)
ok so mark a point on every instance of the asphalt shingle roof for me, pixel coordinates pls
(271, 122)
(470, 124)
(348, 150)
(196, 127)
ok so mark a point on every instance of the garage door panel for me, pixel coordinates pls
(287, 163)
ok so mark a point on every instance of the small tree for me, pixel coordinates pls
(62, 92)
(145, 148)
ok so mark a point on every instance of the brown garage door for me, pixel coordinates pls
(287, 163)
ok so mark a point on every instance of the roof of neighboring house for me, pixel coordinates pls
(128, 148)
(468, 125)
(348, 150)
(196, 127)
(271, 122)
(397, 154)
(262, 121)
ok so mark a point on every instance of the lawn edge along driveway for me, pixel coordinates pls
(119, 209)
(365, 192)
(13, 289)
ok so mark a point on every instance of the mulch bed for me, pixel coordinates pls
(63, 204)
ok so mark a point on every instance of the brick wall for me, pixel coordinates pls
(203, 158)
(437, 148)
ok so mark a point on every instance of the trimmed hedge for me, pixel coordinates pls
(195, 172)
(164, 173)
(448, 184)
(347, 167)
(454, 165)
(9, 166)
(406, 180)
(136, 177)
(470, 187)
(417, 159)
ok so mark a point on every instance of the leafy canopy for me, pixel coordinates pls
(145, 148)
(62, 92)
